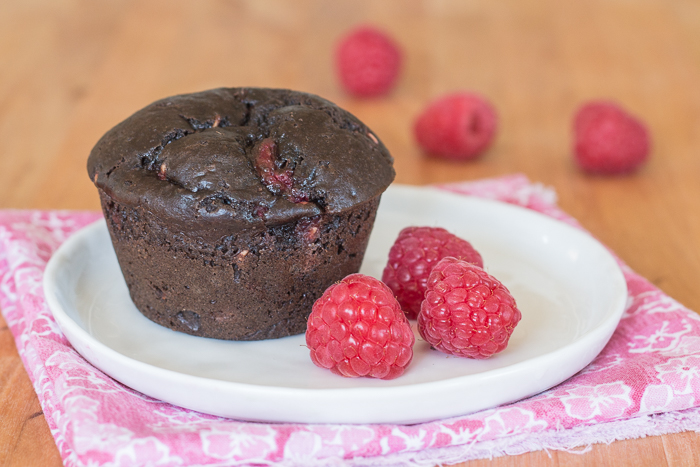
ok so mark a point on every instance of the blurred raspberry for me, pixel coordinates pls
(368, 62)
(412, 257)
(357, 329)
(466, 311)
(457, 126)
(608, 140)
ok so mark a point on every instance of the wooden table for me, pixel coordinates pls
(69, 70)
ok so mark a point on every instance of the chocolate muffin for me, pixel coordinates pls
(232, 210)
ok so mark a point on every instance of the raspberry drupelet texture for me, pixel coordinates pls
(412, 257)
(608, 140)
(357, 329)
(458, 126)
(368, 62)
(466, 311)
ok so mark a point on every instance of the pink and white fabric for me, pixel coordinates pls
(646, 381)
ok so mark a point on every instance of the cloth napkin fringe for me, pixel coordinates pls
(578, 440)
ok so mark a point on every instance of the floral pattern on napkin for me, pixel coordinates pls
(650, 366)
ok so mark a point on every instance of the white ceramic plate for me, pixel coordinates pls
(568, 287)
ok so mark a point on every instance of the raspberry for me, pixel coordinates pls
(457, 126)
(368, 62)
(274, 176)
(608, 140)
(412, 257)
(466, 311)
(357, 329)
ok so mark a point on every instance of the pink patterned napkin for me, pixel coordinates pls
(646, 381)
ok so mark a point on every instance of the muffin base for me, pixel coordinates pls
(252, 285)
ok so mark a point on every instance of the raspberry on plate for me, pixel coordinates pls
(457, 126)
(608, 140)
(412, 257)
(368, 62)
(357, 329)
(466, 311)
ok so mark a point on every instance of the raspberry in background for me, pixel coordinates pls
(357, 329)
(458, 126)
(608, 140)
(466, 311)
(368, 62)
(412, 257)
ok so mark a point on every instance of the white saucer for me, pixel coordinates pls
(569, 288)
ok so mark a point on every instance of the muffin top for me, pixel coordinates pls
(215, 162)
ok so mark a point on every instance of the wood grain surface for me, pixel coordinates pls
(71, 69)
